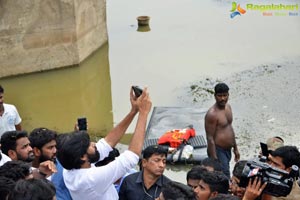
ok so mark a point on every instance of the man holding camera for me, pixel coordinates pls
(219, 132)
(282, 158)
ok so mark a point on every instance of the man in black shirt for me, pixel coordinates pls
(147, 183)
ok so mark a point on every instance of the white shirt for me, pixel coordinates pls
(9, 119)
(4, 159)
(96, 183)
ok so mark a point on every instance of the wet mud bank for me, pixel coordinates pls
(264, 101)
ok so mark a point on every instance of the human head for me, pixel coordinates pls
(221, 94)
(43, 142)
(284, 157)
(33, 189)
(7, 186)
(211, 184)
(16, 145)
(154, 160)
(274, 143)
(176, 191)
(236, 177)
(211, 164)
(193, 176)
(77, 149)
(16, 170)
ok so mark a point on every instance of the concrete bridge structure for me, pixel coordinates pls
(38, 35)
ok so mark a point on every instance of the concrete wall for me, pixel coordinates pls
(37, 35)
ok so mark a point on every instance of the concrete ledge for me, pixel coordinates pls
(46, 34)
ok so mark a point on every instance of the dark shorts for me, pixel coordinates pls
(224, 157)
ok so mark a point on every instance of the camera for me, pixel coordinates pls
(82, 123)
(137, 91)
(279, 182)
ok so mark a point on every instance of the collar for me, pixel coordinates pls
(159, 181)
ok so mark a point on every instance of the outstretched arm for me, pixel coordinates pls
(137, 140)
(210, 129)
(114, 136)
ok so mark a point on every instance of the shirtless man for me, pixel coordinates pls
(219, 132)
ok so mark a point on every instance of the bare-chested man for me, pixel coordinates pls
(219, 132)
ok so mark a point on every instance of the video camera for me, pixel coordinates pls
(279, 182)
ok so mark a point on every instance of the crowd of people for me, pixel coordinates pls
(45, 165)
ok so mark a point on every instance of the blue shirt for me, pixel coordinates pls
(62, 192)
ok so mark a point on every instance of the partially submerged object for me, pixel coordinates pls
(166, 119)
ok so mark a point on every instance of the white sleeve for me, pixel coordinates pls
(18, 118)
(106, 175)
(103, 148)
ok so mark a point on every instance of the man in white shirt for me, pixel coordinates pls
(82, 178)
(10, 119)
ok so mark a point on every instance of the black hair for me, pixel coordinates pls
(41, 136)
(33, 189)
(290, 155)
(177, 191)
(9, 140)
(7, 186)
(217, 181)
(212, 162)
(15, 170)
(154, 149)
(60, 139)
(221, 196)
(1, 89)
(73, 146)
(221, 88)
(111, 157)
(238, 168)
(195, 173)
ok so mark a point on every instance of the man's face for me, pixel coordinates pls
(276, 162)
(23, 150)
(155, 165)
(92, 153)
(202, 191)
(193, 183)
(48, 151)
(235, 188)
(221, 99)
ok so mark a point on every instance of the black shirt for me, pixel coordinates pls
(133, 187)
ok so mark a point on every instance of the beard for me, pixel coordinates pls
(94, 157)
(29, 158)
(44, 158)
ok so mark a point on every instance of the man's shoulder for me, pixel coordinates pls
(166, 179)
(132, 177)
(9, 106)
(212, 113)
(4, 159)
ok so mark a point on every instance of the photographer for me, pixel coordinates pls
(284, 158)
(275, 177)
